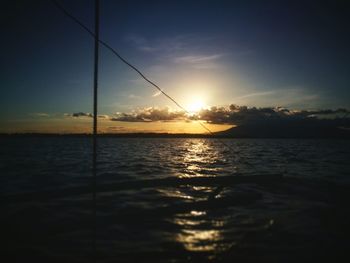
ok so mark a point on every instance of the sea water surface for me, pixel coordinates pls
(302, 217)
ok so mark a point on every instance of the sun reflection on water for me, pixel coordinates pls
(199, 158)
(199, 240)
(198, 231)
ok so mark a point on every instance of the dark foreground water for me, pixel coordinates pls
(178, 215)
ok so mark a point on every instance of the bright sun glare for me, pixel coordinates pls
(196, 105)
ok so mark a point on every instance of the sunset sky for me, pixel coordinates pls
(288, 54)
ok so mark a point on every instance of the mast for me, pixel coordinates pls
(94, 136)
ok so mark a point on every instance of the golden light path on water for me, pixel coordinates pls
(198, 232)
(196, 238)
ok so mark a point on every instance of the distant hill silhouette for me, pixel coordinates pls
(251, 128)
(291, 128)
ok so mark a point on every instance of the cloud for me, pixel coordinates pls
(247, 121)
(242, 115)
(281, 122)
(136, 40)
(103, 116)
(39, 114)
(235, 115)
(78, 115)
(150, 114)
(157, 93)
(298, 97)
(85, 115)
(164, 44)
(195, 51)
(255, 94)
(81, 114)
(291, 97)
(133, 96)
(199, 61)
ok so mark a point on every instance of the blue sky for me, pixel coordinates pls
(255, 53)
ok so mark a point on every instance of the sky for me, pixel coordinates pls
(207, 55)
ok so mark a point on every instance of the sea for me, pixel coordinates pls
(174, 200)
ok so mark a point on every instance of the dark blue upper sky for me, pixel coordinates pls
(257, 53)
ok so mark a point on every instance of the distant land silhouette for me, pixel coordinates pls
(298, 128)
(291, 128)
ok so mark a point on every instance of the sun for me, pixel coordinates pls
(195, 105)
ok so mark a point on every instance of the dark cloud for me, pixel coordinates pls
(277, 118)
(85, 114)
(232, 114)
(81, 114)
(240, 115)
(106, 117)
(279, 122)
(150, 114)
(255, 122)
